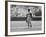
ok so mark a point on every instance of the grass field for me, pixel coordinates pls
(17, 26)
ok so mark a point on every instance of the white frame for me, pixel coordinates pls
(27, 32)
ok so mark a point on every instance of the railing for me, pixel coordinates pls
(34, 18)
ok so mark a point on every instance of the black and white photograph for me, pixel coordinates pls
(25, 18)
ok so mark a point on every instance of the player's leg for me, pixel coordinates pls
(30, 24)
(26, 21)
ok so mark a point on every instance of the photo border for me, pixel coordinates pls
(6, 18)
